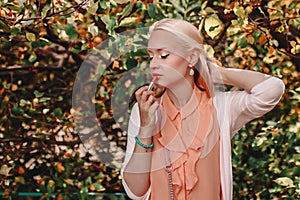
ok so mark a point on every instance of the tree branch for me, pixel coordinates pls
(22, 19)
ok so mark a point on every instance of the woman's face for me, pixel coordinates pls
(167, 67)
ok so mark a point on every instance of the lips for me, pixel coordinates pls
(156, 74)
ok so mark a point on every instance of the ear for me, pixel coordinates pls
(194, 56)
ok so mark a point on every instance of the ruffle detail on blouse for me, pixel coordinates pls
(185, 144)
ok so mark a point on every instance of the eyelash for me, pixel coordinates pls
(162, 56)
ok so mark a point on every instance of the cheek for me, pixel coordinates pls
(179, 66)
(173, 72)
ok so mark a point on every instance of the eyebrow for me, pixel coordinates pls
(150, 50)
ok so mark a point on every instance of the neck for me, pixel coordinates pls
(181, 93)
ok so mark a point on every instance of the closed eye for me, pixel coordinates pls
(164, 56)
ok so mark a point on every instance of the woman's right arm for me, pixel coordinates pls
(137, 166)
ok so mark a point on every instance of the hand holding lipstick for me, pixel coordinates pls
(148, 104)
(152, 83)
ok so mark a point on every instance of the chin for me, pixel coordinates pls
(158, 90)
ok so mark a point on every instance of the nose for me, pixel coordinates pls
(153, 66)
(153, 63)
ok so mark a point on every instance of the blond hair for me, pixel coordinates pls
(190, 38)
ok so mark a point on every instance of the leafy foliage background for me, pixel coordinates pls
(43, 44)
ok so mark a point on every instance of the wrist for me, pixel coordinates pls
(222, 77)
(145, 131)
(145, 143)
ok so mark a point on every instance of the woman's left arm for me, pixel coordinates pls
(261, 94)
(244, 79)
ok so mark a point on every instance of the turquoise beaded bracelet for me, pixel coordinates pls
(143, 145)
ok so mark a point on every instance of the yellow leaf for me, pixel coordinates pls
(92, 8)
(209, 49)
(128, 21)
(285, 181)
(79, 17)
(213, 26)
(5, 170)
(30, 37)
(51, 183)
(293, 43)
(19, 179)
(121, 1)
(260, 142)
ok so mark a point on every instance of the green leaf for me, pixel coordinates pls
(17, 110)
(110, 23)
(24, 102)
(45, 11)
(151, 10)
(194, 7)
(99, 187)
(76, 50)
(88, 180)
(256, 34)
(57, 112)
(27, 23)
(296, 171)
(212, 28)
(131, 63)
(93, 29)
(179, 8)
(274, 42)
(39, 43)
(239, 10)
(103, 4)
(113, 3)
(139, 5)
(30, 37)
(293, 4)
(13, 7)
(71, 31)
(242, 43)
(4, 26)
(37, 94)
(127, 10)
(4, 44)
(16, 30)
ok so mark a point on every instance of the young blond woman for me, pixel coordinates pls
(179, 141)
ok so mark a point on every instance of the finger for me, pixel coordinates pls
(151, 99)
(153, 107)
(145, 96)
(139, 92)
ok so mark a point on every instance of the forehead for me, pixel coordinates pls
(164, 40)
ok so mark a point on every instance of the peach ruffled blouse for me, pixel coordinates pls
(191, 136)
